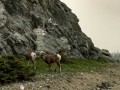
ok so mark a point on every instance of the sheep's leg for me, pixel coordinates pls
(49, 67)
(56, 68)
(34, 63)
(58, 65)
(60, 68)
(28, 63)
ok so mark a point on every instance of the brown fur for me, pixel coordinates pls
(29, 57)
(49, 59)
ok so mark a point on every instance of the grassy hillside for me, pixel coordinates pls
(15, 69)
(74, 65)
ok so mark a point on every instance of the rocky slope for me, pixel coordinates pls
(47, 25)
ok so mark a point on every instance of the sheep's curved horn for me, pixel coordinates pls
(42, 52)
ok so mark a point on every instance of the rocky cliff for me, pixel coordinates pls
(47, 25)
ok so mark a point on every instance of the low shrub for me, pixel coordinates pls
(13, 69)
(102, 59)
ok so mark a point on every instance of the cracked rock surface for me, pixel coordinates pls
(47, 25)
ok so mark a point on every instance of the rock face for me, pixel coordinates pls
(47, 25)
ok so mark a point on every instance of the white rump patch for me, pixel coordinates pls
(33, 55)
(59, 56)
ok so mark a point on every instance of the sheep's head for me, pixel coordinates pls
(27, 54)
(42, 53)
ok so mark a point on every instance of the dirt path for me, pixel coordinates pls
(107, 79)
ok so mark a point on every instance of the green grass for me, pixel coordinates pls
(74, 65)
(13, 68)
(82, 65)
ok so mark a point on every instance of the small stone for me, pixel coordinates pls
(81, 73)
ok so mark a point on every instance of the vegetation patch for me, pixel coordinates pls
(14, 69)
(82, 65)
(74, 65)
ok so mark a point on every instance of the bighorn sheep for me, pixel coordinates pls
(51, 59)
(31, 56)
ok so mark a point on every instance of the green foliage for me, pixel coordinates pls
(74, 65)
(14, 69)
(102, 60)
(41, 66)
(81, 65)
(9, 57)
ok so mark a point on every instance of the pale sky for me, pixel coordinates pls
(99, 20)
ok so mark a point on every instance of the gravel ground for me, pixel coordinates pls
(107, 79)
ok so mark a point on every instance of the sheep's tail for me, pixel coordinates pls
(59, 56)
